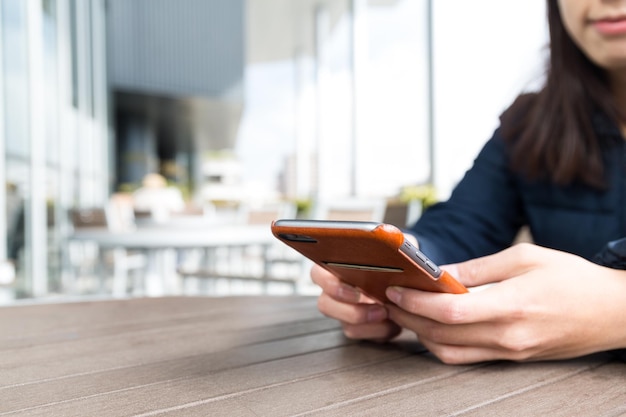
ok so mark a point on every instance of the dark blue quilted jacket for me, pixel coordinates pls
(491, 203)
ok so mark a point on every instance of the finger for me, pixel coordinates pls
(503, 265)
(322, 277)
(351, 313)
(483, 334)
(338, 289)
(332, 286)
(463, 355)
(491, 305)
(377, 332)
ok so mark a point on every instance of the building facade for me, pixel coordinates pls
(307, 99)
(54, 132)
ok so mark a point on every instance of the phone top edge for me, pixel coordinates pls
(329, 224)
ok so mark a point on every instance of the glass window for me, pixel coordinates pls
(51, 81)
(17, 167)
(15, 77)
(74, 51)
(326, 89)
(70, 174)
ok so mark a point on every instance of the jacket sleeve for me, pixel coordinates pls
(482, 215)
(613, 255)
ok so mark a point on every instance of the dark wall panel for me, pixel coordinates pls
(177, 48)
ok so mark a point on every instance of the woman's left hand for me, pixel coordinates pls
(544, 304)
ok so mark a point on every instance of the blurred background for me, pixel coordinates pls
(231, 105)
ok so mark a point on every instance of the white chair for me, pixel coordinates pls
(266, 212)
(87, 258)
(402, 214)
(247, 264)
(357, 209)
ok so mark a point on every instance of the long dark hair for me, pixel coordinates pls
(551, 131)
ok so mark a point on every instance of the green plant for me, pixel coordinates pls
(425, 193)
(303, 207)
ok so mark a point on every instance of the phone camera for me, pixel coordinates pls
(293, 237)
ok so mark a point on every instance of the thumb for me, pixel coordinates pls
(500, 266)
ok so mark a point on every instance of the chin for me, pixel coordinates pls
(613, 58)
(617, 65)
(612, 62)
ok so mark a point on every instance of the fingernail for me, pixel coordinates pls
(394, 294)
(376, 314)
(348, 293)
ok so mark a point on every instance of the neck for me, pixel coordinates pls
(618, 86)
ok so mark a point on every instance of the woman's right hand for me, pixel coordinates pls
(361, 317)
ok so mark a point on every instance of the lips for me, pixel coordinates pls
(611, 27)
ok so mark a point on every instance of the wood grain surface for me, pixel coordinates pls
(263, 356)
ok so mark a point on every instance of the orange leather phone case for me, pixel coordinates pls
(366, 255)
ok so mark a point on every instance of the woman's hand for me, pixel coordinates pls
(360, 316)
(545, 304)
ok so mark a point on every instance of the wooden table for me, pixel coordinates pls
(263, 356)
(160, 243)
(172, 236)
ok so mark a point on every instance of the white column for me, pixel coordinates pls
(3, 179)
(64, 104)
(84, 127)
(322, 29)
(302, 129)
(100, 99)
(67, 140)
(359, 64)
(7, 269)
(36, 226)
(431, 92)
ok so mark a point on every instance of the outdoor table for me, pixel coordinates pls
(263, 356)
(161, 243)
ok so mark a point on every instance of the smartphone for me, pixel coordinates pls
(368, 255)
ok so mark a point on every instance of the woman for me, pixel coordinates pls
(557, 164)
